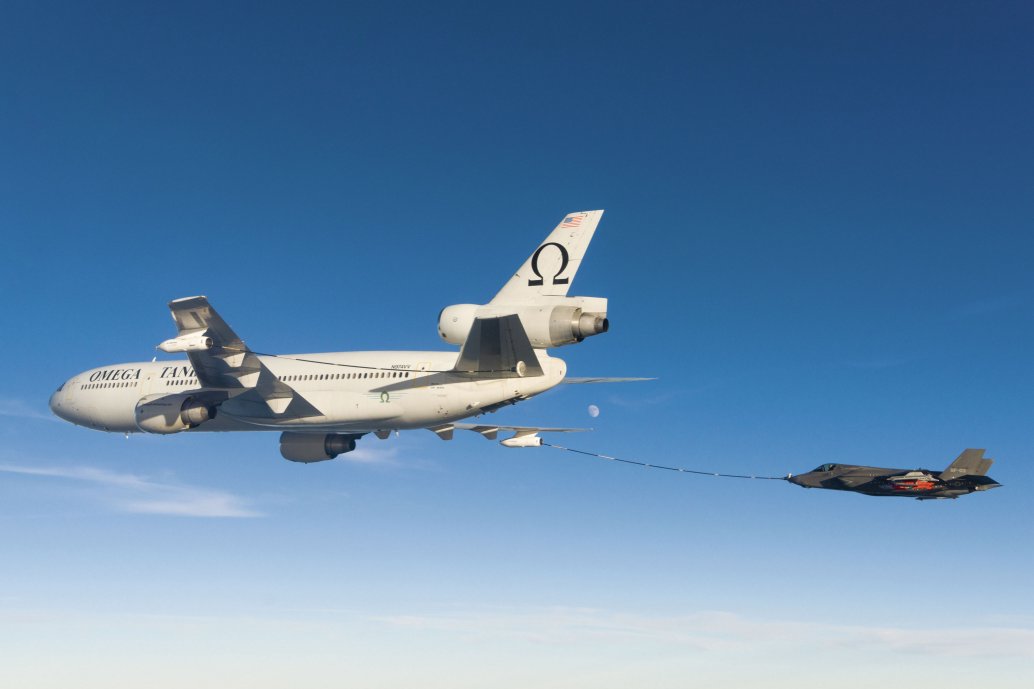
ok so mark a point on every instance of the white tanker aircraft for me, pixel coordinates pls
(323, 403)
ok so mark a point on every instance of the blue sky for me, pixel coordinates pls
(818, 237)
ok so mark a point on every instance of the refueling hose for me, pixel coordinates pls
(647, 465)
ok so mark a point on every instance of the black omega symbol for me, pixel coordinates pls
(556, 279)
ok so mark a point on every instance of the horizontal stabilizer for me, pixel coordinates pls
(599, 379)
(970, 463)
(491, 432)
(498, 348)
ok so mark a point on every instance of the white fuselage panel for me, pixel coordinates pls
(340, 391)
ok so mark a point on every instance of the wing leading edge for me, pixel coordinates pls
(221, 360)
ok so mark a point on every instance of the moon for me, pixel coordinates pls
(594, 411)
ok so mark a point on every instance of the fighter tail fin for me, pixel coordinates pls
(970, 463)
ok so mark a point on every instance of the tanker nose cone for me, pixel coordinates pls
(57, 404)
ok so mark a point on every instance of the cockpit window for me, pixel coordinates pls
(827, 467)
(59, 387)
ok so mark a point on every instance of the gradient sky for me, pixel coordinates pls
(818, 236)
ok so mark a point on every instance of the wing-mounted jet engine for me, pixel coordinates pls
(164, 414)
(316, 447)
(558, 322)
(537, 293)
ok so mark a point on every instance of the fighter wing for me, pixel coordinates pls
(912, 477)
(221, 359)
(550, 270)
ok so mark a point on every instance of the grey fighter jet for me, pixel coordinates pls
(966, 474)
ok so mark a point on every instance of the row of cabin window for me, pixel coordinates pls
(347, 376)
(324, 376)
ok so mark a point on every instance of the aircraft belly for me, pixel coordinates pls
(224, 423)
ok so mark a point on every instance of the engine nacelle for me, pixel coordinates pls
(166, 414)
(315, 447)
(455, 322)
(194, 342)
(560, 321)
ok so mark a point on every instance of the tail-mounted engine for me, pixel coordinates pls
(553, 323)
(166, 414)
(315, 447)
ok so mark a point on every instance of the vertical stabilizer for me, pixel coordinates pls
(550, 270)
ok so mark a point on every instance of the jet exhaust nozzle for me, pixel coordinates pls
(590, 324)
